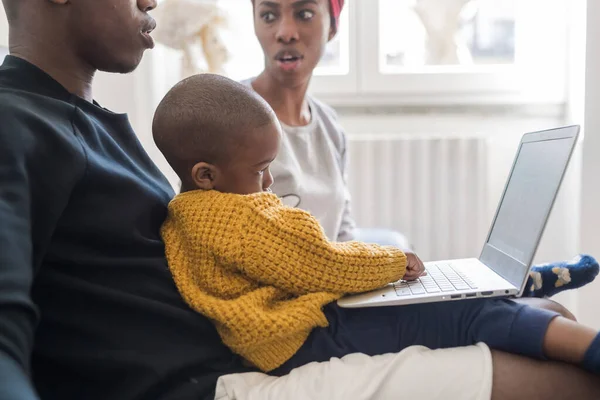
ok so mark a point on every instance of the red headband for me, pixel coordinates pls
(335, 8)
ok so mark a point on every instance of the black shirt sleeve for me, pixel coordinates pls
(40, 162)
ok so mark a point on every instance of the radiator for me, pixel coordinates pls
(432, 189)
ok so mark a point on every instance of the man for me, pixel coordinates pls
(87, 304)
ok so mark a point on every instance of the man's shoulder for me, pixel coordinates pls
(19, 101)
(23, 107)
(30, 117)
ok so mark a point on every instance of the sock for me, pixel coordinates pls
(591, 359)
(549, 279)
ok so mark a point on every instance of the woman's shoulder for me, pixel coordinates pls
(323, 109)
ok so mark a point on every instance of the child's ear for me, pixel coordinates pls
(204, 175)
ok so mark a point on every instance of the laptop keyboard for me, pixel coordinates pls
(440, 277)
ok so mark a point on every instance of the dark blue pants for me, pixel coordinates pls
(500, 323)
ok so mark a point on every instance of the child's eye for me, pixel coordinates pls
(268, 16)
(306, 14)
(262, 172)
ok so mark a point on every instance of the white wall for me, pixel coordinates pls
(589, 297)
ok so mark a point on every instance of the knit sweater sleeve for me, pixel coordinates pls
(287, 248)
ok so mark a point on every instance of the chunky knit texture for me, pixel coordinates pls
(263, 271)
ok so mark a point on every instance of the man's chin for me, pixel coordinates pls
(120, 66)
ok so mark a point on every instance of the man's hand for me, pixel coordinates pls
(414, 267)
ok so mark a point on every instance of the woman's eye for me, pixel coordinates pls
(268, 16)
(306, 14)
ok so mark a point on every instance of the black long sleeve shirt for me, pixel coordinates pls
(88, 308)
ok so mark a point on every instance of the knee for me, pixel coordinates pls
(552, 305)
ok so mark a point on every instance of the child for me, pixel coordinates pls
(268, 277)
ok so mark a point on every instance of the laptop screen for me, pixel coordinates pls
(528, 197)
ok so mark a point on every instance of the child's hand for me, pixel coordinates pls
(414, 267)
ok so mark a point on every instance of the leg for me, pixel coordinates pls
(405, 375)
(517, 378)
(500, 323)
(546, 280)
(546, 304)
(569, 341)
(458, 373)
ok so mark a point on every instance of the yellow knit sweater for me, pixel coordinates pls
(262, 272)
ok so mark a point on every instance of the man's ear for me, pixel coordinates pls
(204, 175)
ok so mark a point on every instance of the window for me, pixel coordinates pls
(509, 51)
(336, 60)
(414, 34)
(429, 51)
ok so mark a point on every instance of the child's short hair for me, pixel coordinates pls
(204, 118)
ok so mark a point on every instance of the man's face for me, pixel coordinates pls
(111, 35)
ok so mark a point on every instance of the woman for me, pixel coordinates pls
(310, 172)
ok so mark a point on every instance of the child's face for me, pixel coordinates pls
(248, 170)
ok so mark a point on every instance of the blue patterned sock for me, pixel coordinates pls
(549, 279)
(591, 360)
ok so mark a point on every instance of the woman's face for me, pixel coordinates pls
(293, 35)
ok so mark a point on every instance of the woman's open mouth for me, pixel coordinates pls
(289, 60)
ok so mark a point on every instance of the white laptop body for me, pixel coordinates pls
(503, 267)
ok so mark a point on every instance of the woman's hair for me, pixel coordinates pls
(335, 9)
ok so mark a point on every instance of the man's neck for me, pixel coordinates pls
(288, 102)
(55, 60)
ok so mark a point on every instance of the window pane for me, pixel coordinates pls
(246, 56)
(417, 33)
(336, 60)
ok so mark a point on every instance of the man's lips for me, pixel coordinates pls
(147, 27)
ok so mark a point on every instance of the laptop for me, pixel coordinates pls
(503, 267)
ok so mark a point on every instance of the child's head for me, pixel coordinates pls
(217, 134)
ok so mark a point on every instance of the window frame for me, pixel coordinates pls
(525, 82)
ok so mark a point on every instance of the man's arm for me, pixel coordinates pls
(36, 174)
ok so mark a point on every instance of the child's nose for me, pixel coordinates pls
(267, 181)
